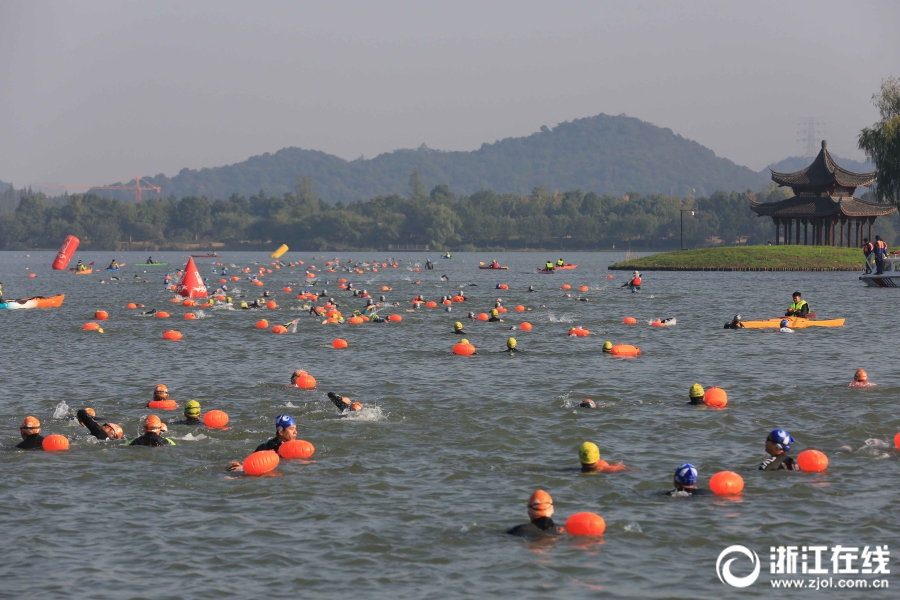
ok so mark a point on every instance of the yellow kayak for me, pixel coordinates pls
(793, 323)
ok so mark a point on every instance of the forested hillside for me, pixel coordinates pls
(602, 154)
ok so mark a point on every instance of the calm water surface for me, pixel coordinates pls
(410, 497)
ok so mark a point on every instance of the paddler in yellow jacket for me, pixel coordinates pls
(799, 308)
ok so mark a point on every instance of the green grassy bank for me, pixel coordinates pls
(751, 258)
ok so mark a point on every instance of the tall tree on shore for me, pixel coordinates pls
(881, 141)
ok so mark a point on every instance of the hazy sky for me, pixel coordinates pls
(97, 91)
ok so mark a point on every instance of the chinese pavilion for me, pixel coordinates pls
(824, 204)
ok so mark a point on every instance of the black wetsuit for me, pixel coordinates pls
(733, 325)
(781, 462)
(34, 441)
(272, 444)
(88, 421)
(459, 332)
(188, 421)
(338, 401)
(691, 492)
(151, 439)
(541, 527)
(697, 401)
(494, 319)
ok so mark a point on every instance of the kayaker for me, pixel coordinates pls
(458, 328)
(151, 437)
(31, 434)
(79, 266)
(589, 457)
(881, 250)
(560, 263)
(778, 443)
(107, 431)
(150, 260)
(785, 327)
(735, 323)
(495, 316)
(685, 481)
(511, 345)
(861, 379)
(495, 264)
(191, 413)
(540, 511)
(635, 282)
(344, 404)
(113, 265)
(868, 250)
(799, 308)
(549, 266)
(696, 394)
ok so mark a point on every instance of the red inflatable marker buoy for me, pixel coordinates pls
(215, 419)
(261, 462)
(163, 404)
(171, 334)
(55, 443)
(585, 523)
(726, 482)
(812, 461)
(296, 449)
(66, 251)
(716, 397)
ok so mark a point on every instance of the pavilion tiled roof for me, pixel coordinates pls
(814, 207)
(823, 172)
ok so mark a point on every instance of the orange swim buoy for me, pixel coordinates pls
(271, 304)
(501, 309)
(235, 278)
(431, 304)
(262, 324)
(395, 318)
(279, 329)
(171, 334)
(261, 462)
(305, 381)
(503, 286)
(812, 461)
(625, 350)
(897, 441)
(339, 343)
(287, 290)
(520, 308)
(55, 443)
(189, 303)
(163, 404)
(566, 286)
(657, 323)
(215, 419)
(296, 449)
(609, 276)
(356, 320)
(630, 321)
(716, 397)
(101, 315)
(483, 316)
(189, 316)
(31, 275)
(131, 306)
(257, 283)
(525, 326)
(223, 281)
(583, 288)
(726, 482)
(173, 300)
(585, 523)
(162, 315)
(464, 349)
(91, 326)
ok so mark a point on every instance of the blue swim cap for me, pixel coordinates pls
(784, 323)
(283, 422)
(781, 438)
(686, 474)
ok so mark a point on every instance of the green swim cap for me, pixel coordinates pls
(511, 343)
(457, 325)
(607, 346)
(192, 409)
(588, 453)
(697, 391)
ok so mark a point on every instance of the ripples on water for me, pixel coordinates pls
(409, 497)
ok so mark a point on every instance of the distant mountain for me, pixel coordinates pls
(795, 163)
(4, 186)
(604, 154)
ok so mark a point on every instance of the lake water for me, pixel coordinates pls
(410, 497)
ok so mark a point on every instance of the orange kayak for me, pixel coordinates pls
(35, 302)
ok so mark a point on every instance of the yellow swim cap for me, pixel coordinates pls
(457, 325)
(495, 312)
(464, 341)
(588, 453)
(697, 391)
(511, 343)
(607, 346)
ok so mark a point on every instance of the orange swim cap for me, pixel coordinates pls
(540, 504)
(152, 423)
(861, 375)
(31, 423)
(90, 412)
(356, 406)
(117, 432)
(161, 388)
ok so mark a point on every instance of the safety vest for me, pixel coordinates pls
(560, 263)
(549, 265)
(868, 248)
(882, 247)
(636, 281)
(796, 306)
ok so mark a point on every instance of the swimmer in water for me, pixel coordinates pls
(152, 429)
(471, 315)
(685, 481)
(589, 457)
(285, 431)
(607, 346)
(735, 323)
(152, 311)
(511, 345)
(191, 413)
(785, 327)
(861, 379)
(540, 511)
(696, 394)
(107, 431)
(530, 288)
(587, 403)
(31, 435)
(344, 404)
(458, 328)
(778, 443)
(495, 316)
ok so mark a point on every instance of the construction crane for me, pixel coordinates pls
(138, 190)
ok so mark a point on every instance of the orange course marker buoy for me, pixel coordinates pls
(726, 482)
(215, 419)
(172, 335)
(525, 326)
(812, 461)
(339, 343)
(101, 315)
(585, 523)
(55, 443)
(261, 462)
(296, 449)
(91, 326)
(630, 321)
(715, 396)
(625, 350)
(279, 329)
(262, 324)
(305, 381)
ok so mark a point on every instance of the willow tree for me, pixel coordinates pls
(881, 141)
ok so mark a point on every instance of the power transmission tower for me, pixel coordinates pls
(809, 132)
